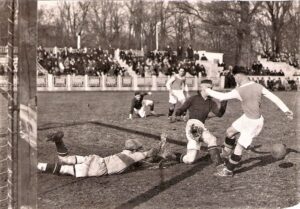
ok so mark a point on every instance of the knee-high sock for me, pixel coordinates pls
(215, 155)
(229, 144)
(61, 148)
(56, 168)
(152, 107)
(171, 109)
(53, 168)
(233, 161)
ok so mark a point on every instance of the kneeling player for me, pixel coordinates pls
(94, 165)
(138, 105)
(200, 106)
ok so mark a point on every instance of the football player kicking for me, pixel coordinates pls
(200, 107)
(250, 124)
(176, 86)
(138, 105)
(94, 165)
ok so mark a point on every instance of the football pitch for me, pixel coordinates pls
(96, 123)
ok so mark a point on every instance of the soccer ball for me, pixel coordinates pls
(278, 151)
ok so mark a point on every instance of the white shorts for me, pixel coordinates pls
(142, 112)
(207, 137)
(92, 165)
(177, 95)
(249, 128)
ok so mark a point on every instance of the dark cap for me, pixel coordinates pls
(137, 93)
(239, 70)
(207, 81)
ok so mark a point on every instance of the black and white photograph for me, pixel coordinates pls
(149, 104)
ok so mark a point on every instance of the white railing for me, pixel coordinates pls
(111, 83)
(119, 83)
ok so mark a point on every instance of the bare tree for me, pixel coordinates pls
(278, 15)
(73, 18)
(234, 15)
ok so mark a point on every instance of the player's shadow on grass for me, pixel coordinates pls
(289, 150)
(164, 185)
(112, 126)
(156, 116)
(137, 132)
(262, 160)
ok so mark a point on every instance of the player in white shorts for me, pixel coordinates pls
(176, 86)
(250, 124)
(139, 104)
(95, 165)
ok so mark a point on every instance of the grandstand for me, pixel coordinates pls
(122, 73)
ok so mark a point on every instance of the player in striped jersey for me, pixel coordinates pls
(176, 86)
(94, 165)
(250, 124)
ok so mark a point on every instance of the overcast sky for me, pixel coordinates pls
(50, 3)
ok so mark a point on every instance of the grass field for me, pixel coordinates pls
(96, 122)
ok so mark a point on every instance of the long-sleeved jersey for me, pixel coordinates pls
(137, 104)
(199, 108)
(250, 96)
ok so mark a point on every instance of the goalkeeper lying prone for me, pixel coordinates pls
(94, 165)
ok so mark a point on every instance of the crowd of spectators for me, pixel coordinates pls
(258, 69)
(93, 62)
(164, 62)
(279, 84)
(289, 58)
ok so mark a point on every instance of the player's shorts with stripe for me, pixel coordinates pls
(249, 128)
(177, 95)
(142, 112)
(207, 137)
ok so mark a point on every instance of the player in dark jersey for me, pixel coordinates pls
(139, 104)
(200, 107)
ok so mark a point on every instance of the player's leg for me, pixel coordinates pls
(235, 157)
(191, 156)
(181, 99)
(171, 110)
(142, 112)
(93, 165)
(250, 129)
(193, 148)
(213, 148)
(62, 150)
(229, 142)
(150, 104)
(71, 159)
(136, 112)
(172, 104)
(57, 138)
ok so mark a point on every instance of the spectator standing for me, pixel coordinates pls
(180, 53)
(190, 52)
